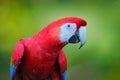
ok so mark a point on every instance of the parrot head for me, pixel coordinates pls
(73, 31)
(69, 30)
(60, 32)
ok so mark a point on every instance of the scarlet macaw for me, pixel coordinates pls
(41, 57)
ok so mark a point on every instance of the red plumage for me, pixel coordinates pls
(38, 63)
(41, 56)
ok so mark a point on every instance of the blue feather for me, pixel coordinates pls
(12, 71)
(64, 76)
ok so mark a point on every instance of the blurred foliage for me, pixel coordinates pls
(99, 59)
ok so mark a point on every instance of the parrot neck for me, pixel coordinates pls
(48, 43)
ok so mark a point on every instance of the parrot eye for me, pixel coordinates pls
(68, 25)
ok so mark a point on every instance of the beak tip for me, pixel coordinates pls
(81, 46)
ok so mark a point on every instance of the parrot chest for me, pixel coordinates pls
(39, 64)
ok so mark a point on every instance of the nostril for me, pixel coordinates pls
(78, 38)
(77, 33)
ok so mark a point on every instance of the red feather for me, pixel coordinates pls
(41, 56)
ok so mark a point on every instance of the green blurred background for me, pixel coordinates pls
(99, 59)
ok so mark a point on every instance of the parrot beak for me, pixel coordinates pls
(82, 35)
(79, 36)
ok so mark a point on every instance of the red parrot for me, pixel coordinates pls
(41, 57)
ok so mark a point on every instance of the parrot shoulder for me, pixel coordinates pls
(62, 61)
(16, 58)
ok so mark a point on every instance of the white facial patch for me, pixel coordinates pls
(66, 31)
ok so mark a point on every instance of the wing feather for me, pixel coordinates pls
(16, 58)
(62, 61)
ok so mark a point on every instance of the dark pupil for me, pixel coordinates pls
(68, 25)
